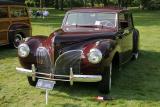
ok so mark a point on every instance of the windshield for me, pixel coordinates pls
(91, 19)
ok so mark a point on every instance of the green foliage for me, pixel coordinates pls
(30, 3)
(154, 4)
(60, 4)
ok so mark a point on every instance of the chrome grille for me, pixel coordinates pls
(67, 60)
(44, 63)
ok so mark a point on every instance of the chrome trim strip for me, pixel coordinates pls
(24, 71)
(70, 78)
(65, 53)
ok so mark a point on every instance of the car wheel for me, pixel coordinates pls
(106, 83)
(31, 82)
(16, 41)
(135, 45)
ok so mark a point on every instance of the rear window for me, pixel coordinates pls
(3, 12)
(18, 12)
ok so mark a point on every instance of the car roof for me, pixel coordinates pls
(108, 9)
(11, 3)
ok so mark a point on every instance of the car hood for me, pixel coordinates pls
(71, 35)
(77, 39)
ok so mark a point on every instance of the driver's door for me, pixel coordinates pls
(125, 31)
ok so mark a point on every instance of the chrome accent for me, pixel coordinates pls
(33, 72)
(66, 53)
(70, 78)
(28, 72)
(93, 55)
(67, 60)
(110, 77)
(41, 53)
(27, 50)
(43, 59)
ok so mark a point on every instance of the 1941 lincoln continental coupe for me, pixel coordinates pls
(90, 46)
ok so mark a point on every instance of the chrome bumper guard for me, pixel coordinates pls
(71, 78)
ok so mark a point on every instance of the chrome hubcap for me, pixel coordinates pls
(136, 55)
(17, 40)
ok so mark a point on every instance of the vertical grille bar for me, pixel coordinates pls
(44, 63)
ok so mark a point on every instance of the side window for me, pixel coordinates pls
(123, 20)
(3, 12)
(18, 12)
(71, 19)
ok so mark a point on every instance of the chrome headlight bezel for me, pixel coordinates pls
(94, 56)
(23, 50)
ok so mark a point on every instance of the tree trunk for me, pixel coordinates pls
(85, 4)
(119, 3)
(71, 4)
(92, 3)
(40, 4)
(105, 2)
(56, 4)
(62, 4)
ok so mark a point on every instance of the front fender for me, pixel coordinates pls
(108, 48)
(33, 43)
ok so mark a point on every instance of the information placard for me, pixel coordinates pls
(45, 84)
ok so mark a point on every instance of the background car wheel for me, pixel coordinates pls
(105, 84)
(31, 82)
(17, 39)
(135, 56)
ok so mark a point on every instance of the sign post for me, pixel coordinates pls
(46, 96)
(47, 85)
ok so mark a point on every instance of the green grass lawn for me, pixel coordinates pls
(138, 83)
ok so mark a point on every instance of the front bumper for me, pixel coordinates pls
(70, 78)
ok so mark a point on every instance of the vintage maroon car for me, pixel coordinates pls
(91, 44)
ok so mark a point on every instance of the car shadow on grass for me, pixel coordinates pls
(7, 52)
(137, 80)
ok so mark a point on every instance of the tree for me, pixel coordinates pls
(71, 4)
(105, 2)
(56, 4)
(92, 3)
(62, 4)
(49, 3)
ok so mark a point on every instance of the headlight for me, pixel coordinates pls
(23, 50)
(94, 56)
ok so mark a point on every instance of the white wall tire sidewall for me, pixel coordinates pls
(110, 77)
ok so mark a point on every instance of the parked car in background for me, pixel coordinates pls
(14, 23)
(90, 46)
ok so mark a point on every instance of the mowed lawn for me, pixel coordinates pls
(138, 83)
